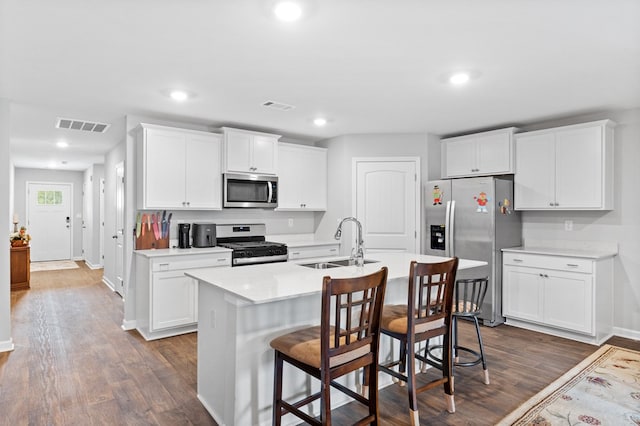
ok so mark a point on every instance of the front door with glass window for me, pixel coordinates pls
(49, 220)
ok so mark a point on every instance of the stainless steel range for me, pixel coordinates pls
(249, 245)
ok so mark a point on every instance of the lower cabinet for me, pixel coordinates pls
(566, 296)
(167, 299)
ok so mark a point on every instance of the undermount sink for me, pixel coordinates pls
(334, 263)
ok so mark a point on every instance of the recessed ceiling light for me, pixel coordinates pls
(62, 144)
(287, 11)
(320, 121)
(179, 95)
(459, 78)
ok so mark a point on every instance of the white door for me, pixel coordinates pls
(86, 222)
(119, 235)
(49, 220)
(387, 204)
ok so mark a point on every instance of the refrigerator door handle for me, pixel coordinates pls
(452, 227)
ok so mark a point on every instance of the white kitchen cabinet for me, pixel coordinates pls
(565, 168)
(562, 295)
(166, 299)
(479, 154)
(314, 250)
(250, 152)
(302, 178)
(178, 169)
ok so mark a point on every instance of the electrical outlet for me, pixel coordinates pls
(290, 222)
(568, 225)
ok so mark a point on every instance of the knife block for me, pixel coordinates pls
(148, 241)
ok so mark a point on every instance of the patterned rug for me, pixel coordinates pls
(53, 265)
(604, 389)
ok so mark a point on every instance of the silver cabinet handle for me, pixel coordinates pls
(295, 253)
(551, 204)
(222, 259)
(518, 260)
(333, 250)
(572, 265)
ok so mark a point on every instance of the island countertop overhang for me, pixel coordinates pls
(255, 284)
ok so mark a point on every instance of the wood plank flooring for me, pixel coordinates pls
(74, 365)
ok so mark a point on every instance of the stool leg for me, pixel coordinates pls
(411, 384)
(447, 364)
(484, 360)
(402, 367)
(277, 389)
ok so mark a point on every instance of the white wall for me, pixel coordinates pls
(341, 151)
(6, 343)
(620, 225)
(23, 176)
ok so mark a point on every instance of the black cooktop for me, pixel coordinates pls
(245, 245)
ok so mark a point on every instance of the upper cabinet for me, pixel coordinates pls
(302, 177)
(247, 151)
(565, 168)
(479, 154)
(178, 169)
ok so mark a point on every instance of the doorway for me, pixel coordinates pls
(119, 234)
(387, 203)
(49, 218)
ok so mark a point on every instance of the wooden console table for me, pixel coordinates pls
(20, 268)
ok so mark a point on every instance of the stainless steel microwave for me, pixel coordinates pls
(249, 190)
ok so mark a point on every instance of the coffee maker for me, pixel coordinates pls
(183, 235)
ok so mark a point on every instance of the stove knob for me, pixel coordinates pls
(249, 253)
(240, 254)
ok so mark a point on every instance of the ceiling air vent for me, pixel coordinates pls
(278, 105)
(87, 126)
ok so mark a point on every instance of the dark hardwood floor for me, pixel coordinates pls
(74, 365)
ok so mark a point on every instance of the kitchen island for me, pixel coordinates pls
(241, 309)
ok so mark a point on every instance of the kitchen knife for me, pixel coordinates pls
(164, 224)
(169, 224)
(138, 225)
(144, 219)
(154, 222)
(148, 223)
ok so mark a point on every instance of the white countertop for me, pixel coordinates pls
(180, 252)
(276, 281)
(589, 253)
(301, 240)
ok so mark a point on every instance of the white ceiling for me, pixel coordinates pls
(369, 66)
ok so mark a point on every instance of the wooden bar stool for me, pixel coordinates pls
(430, 298)
(468, 298)
(345, 343)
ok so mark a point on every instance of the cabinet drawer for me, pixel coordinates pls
(207, 260)
(561, 263)
(314, 251)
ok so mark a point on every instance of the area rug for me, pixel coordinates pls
(604, 389)
(53, 265)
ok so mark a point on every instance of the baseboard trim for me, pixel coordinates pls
(92, 266)
(7, 346)
(626, 333)
(128, 325)
(108, 283)
(78, 259)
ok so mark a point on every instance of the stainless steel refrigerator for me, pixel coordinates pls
(473, 218)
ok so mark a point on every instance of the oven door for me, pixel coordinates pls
(249, 190)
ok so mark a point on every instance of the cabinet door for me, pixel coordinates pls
(522, 293)
(203, 172)
(494, 153)
(238, 151)
(579, 168)
(534, 181)
(302, 178)
(164, 169)
(264, 154)
(173, 300)
(460, 157)
(568, 301)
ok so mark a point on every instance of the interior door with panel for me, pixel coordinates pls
(387, 200)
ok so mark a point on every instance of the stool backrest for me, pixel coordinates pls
(431, 294)
(353, 330)
(469, 295)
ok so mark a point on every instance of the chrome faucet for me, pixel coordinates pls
(357, 253)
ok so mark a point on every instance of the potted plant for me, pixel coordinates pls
(20, 238)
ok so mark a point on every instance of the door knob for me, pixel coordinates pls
(114, 236)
